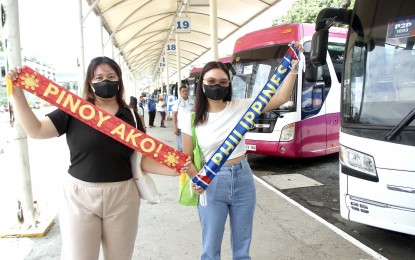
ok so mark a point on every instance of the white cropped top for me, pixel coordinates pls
(218, 126)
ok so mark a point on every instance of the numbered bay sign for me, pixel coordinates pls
(171, 47)
(162, 64)
(183, 25)
(170, 102)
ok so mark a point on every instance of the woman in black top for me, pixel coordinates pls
(100, 200)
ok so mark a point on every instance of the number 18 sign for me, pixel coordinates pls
(170, 47)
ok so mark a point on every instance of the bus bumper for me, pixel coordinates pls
(280, 149)
(379, 214)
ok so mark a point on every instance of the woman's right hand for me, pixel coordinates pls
(13, 73)
(35, 128)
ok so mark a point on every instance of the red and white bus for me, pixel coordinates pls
(307, 125)
(192, 81)
(195, 74)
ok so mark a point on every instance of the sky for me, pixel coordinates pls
(50, 31)
(262, 21)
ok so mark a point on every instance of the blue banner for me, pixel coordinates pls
(209, 170)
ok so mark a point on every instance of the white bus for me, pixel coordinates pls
(377, 136)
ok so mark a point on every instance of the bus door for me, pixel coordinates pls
(313, 128)
(320, 104)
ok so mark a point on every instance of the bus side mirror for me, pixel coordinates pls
(230, 68)
(324, 21)
(319, 44)
(327, 16)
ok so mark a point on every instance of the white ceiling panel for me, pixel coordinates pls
(140, 29)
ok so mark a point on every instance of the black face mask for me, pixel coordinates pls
(215, 92)
(106, 88)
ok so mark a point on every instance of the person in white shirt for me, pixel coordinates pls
(232, 192)
(161, 107)
(181, 109)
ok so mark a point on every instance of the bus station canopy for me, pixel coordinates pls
(140, 29)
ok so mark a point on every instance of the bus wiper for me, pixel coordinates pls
(278, 114)
(398, 128)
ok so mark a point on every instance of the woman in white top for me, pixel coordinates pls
(232, 191)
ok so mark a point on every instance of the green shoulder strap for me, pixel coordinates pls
(192, 114)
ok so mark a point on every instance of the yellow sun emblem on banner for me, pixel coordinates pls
(29, 81)
(171, 159)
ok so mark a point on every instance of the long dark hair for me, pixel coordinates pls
(201, 102)
(88, 93)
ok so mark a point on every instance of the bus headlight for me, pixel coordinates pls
(357, 161)
(287, 133)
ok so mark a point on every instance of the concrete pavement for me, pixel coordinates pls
(282, 229)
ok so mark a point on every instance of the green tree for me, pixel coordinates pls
(306, 11)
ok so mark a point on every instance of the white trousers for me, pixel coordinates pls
(92, 214)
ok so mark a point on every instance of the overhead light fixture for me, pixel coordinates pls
(198, 2)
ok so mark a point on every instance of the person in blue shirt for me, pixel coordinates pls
(151, 106)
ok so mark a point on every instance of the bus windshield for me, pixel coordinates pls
(379, 83)
(253, 69)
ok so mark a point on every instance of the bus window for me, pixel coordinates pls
(253, 69)
(314, 93)
(405, 71)
(336, 52)
(312, 99)
(317, 95)
(261, 78)
(239, 87)
(307, 100)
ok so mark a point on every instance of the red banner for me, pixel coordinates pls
(99, 119)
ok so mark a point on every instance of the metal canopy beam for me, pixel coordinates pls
(135, 26)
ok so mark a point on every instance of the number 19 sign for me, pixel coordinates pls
(183, 25)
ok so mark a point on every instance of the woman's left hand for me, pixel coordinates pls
(298, 46)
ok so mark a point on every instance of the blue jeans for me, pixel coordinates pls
(231, 192)
(179, 141)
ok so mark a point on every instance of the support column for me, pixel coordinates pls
(18, 149)
(101, 36)
(214, 29)
(81, 49)
(166, 58)
(179, 68)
